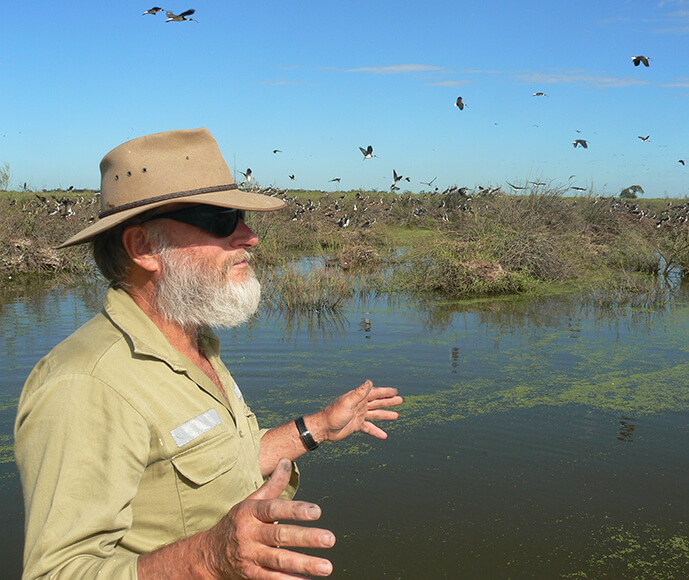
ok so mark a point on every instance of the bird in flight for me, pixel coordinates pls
(172, 17)
(292, 176)
(581, 142)
(514, 186)
(368, 152)
(429, 183)
(459, 103)
(644, 139)
(247, 176)
(540, 95)
(276, 151)
(153, 10)
(336, 179)
(577, 188)
(681, 161)
(640, 59)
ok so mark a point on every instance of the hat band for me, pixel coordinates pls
(165, 197)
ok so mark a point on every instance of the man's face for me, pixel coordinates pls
(204, 280)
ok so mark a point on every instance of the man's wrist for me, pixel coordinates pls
(306, 436)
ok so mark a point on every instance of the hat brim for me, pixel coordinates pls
(234, 198)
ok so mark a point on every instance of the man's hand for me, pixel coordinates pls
(354, 411)
(249, 541)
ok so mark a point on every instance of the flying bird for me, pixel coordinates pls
(336, 179)
(429, 183)
(514, 186)
(540, 95)
(368, 152)
(459, 103)
(644, 139)
(396, 177)
(577, 188)
(581, 142)
(247, 176)
(172, 17)
(153, 10)
(640, 59)
(276, 151)
(291, 176)
(681, 161)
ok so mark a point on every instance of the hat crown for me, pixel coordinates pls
(150, 168)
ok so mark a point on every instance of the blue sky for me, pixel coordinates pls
(317, 80)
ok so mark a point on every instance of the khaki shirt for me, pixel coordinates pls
(124, 445)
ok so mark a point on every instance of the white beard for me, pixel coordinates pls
(193, 292)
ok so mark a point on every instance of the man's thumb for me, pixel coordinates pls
(276, 483)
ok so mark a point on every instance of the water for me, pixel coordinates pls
(540, 438)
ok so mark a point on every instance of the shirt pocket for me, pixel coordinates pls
(210, 479)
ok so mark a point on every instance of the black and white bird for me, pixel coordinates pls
(337, 179)
(644, 139)
(514, 186)
(581, 142)
(153, 10)
(368, 152)
(459, 103)
(540, 95)
(172, 17)
(640, 59)
(429, 183)
(277, 151)
(681, 161)
(247, 176)
(292, 176)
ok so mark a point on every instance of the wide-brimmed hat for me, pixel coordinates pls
(171, 167)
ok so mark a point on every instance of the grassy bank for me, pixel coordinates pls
(455, 244)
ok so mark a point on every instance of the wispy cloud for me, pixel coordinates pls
(578, 78)
(396, 69)
(681, 82)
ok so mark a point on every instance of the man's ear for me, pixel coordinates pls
(135, 242)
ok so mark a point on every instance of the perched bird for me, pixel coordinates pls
(540, 95)
(172, 17)
(247, 176)
(276, 151)
(644, 139)
(153, 10)
(459, 103)
(581, 142)
(640, 59)
(368, 152)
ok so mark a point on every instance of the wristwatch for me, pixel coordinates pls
(305, 434)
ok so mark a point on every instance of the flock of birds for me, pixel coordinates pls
(368, 151)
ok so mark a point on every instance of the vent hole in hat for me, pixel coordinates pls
(129, 173)
(117, 177)
(143, 170)
(187, 157)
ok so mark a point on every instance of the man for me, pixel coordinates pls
(138, 456)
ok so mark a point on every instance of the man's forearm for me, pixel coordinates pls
(180, 560)
(285, 441)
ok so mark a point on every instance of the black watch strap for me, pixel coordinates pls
(305, 434)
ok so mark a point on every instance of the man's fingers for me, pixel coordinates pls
(375, 431)
(295, 563)
(286, 536)
(386, 402)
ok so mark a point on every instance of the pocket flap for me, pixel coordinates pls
(208, 460)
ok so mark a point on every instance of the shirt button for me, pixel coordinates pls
(241, 433)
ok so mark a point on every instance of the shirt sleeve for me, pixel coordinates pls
(81, 450)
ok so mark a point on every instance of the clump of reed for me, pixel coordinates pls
(294, 289)
(456, 269)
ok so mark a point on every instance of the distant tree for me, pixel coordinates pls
(5, 176)
(631, 191)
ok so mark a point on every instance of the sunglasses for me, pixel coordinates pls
(219, 221)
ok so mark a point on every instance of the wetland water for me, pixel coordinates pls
(540, 438)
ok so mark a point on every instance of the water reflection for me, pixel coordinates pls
(626, 430)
